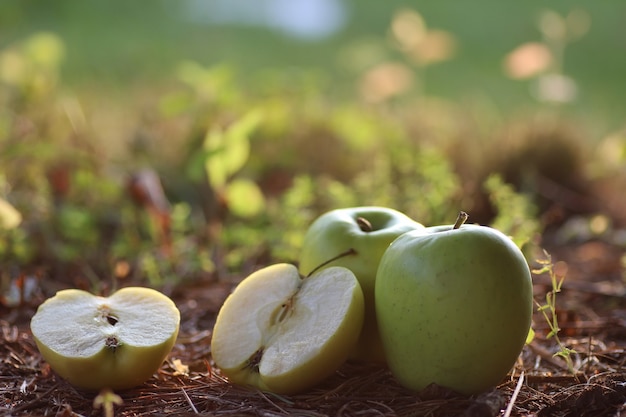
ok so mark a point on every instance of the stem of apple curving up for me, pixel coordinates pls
(364, 224)
(349, 252)
(462, 218)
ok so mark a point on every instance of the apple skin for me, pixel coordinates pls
(337, 231)
(119, 368)
(454, 307)
(117, 372)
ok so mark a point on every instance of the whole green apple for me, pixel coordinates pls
(454, 307)
(365, 233)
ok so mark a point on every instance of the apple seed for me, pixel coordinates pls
(104, 313)
(285, 310)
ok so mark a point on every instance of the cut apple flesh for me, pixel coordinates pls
(115, 342)
(282, 333)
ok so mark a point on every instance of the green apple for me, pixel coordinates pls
(367, 231)
(454, 307)
(283, 333)
(114, 342)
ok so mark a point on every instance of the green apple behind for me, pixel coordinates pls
(368, 231)
(454, 307)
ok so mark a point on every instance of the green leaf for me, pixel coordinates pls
(190, 72)
(244, 198)
(10, 218)
(225, 157)
(196, 168)
(229, 150)
(531, 336)
(211, 83)
(543, 307)
(175, 103)
(542, 270)
(553, 332)
(243, 128)
(45, 49)
(517, 214)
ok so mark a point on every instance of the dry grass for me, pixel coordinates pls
(30, 388)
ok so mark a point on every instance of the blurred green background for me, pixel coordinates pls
(167, 140)
(117, 43)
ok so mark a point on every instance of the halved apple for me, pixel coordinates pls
(114, 342)
(283, 333)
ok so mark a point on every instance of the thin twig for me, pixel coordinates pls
(191, 404)
(40, 398)
(518, 388)
(264, 395)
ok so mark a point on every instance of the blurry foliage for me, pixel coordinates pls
(543, 62)
(258, 159)
(517, 216)
(10, 218)
(31, 67)
(423, 45)
(420, 47)
(62, 209)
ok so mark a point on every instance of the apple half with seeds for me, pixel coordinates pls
(284, 333)
(115, 342)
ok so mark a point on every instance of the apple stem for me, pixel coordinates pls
(364, 224)
(349, 252)
(462, 218)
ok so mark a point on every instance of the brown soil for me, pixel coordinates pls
(592, 317)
